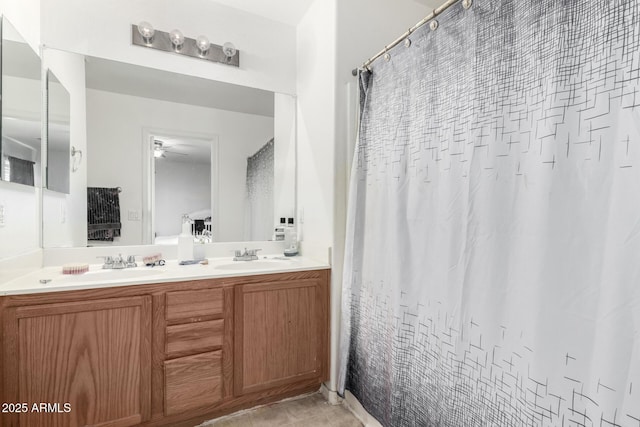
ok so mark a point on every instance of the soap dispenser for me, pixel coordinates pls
(185, 241)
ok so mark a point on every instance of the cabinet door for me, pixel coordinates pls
(280, 334)
(192, 382)
(95, 356)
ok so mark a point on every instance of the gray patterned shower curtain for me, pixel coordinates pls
(259, 220)
(492, 275)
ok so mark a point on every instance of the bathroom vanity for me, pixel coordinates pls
(162, 351)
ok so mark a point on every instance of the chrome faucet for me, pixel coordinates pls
(247, 255)
(118, 263)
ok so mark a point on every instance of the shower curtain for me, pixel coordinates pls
(492, 275)
(259, 220)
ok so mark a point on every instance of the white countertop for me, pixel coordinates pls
(96, 277)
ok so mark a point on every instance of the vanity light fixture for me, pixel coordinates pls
(177, 39)
(203, 44)
(145, 35)
(146, 31)
(229, 49)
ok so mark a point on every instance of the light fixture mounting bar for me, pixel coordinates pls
(161, 41)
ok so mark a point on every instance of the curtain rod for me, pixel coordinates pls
(432, 15)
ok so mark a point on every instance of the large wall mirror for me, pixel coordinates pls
(20, 151)
(161, 145)
(58, 135)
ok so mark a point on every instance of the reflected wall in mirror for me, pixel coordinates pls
(161, 145)
(183, 170)
(20, 150)
(58, 135)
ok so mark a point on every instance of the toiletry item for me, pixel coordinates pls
(198, 251)
(75, 268)
(153, 260)
(279, 234)
(190, 262)
(186, 224)
(185, 241)
(291, 239)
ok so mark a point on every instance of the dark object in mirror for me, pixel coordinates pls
(58, 135)
(21, 106)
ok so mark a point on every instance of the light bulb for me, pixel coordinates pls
(177, 38)
(203, 44)
(229, 49)
(146, 31)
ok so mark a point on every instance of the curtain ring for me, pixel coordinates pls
(434, 25)
(387, 57)
(467, 3)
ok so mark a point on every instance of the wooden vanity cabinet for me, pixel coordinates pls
(172, 354)
(280, 333)
(92, 355)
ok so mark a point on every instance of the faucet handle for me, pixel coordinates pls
(131, 261)
(108, 261)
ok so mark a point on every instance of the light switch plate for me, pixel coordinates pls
(133, 215)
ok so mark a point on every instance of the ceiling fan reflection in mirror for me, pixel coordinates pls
(160, 150)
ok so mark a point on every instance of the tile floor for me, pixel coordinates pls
(309, 411)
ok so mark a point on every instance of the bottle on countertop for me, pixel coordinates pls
(279, 234)
(291, 239)
(185, 241)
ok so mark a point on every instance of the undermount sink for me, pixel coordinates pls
(256, 265)
(99, 275)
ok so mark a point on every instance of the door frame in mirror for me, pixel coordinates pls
(148, 181)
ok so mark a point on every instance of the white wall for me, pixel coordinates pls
(103, 29)
(181, 187)
(115, 125)
(65, 215)
(25, 17)
(20, 233)
(333, 38)
(316, 127)
(284, 181)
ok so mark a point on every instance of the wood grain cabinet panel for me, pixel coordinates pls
(193, 382)
(193, 304)
(193, 338)
(95, 355)
(280, 334)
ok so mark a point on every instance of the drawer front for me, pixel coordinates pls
(192, 382)
(191, 304)
(193, 338)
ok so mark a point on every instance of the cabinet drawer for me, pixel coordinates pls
(194, 337)
(192, 382)
(190, 304)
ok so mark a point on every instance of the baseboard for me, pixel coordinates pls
(330, 395)
(358, 410)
